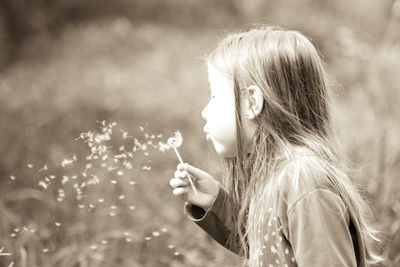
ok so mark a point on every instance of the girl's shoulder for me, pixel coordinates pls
(302, 173)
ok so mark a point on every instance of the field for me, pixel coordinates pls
(60, 208)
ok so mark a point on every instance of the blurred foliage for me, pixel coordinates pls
(67, 64)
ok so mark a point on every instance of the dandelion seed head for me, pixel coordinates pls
(175, 141)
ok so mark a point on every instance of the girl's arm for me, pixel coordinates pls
(215, 221)
(209, 206)
(321, 232)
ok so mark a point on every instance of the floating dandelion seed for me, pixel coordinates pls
(121, 197)
(45, 250)
(176, 253)
(120, 173)
(128, 239)
(113, 181)
(132, 207)
(101, 200)
(147, 238)
(44, 168)
(93, 247)
(164, 230)
(29, 165)
(132, 182)
(156, 233)
(104, 242)
(171, 246)
(12, 177)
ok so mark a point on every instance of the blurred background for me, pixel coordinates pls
(68, 69)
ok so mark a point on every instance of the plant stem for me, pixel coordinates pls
(189, 176)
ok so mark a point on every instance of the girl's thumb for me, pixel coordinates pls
(195, 171)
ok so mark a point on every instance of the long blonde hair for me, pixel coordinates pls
(287, 68)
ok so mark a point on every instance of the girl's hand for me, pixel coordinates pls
(207, 187)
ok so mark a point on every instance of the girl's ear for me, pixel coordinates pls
(255, 101)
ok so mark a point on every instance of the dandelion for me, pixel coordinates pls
(176, 142)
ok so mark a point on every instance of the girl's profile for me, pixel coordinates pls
(287, 198)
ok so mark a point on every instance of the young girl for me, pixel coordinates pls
(288, 200)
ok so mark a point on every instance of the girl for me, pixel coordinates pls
(288, 200)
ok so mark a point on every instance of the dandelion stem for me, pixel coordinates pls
(189, 176)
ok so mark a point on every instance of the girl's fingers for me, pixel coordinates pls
(174, 182)
(180, 191)
(180, 174)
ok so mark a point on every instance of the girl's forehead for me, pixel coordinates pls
(217, 79)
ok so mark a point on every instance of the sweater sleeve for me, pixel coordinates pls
(318, 225)
(216, 220)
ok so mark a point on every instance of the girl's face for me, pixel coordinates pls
(219, 114)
